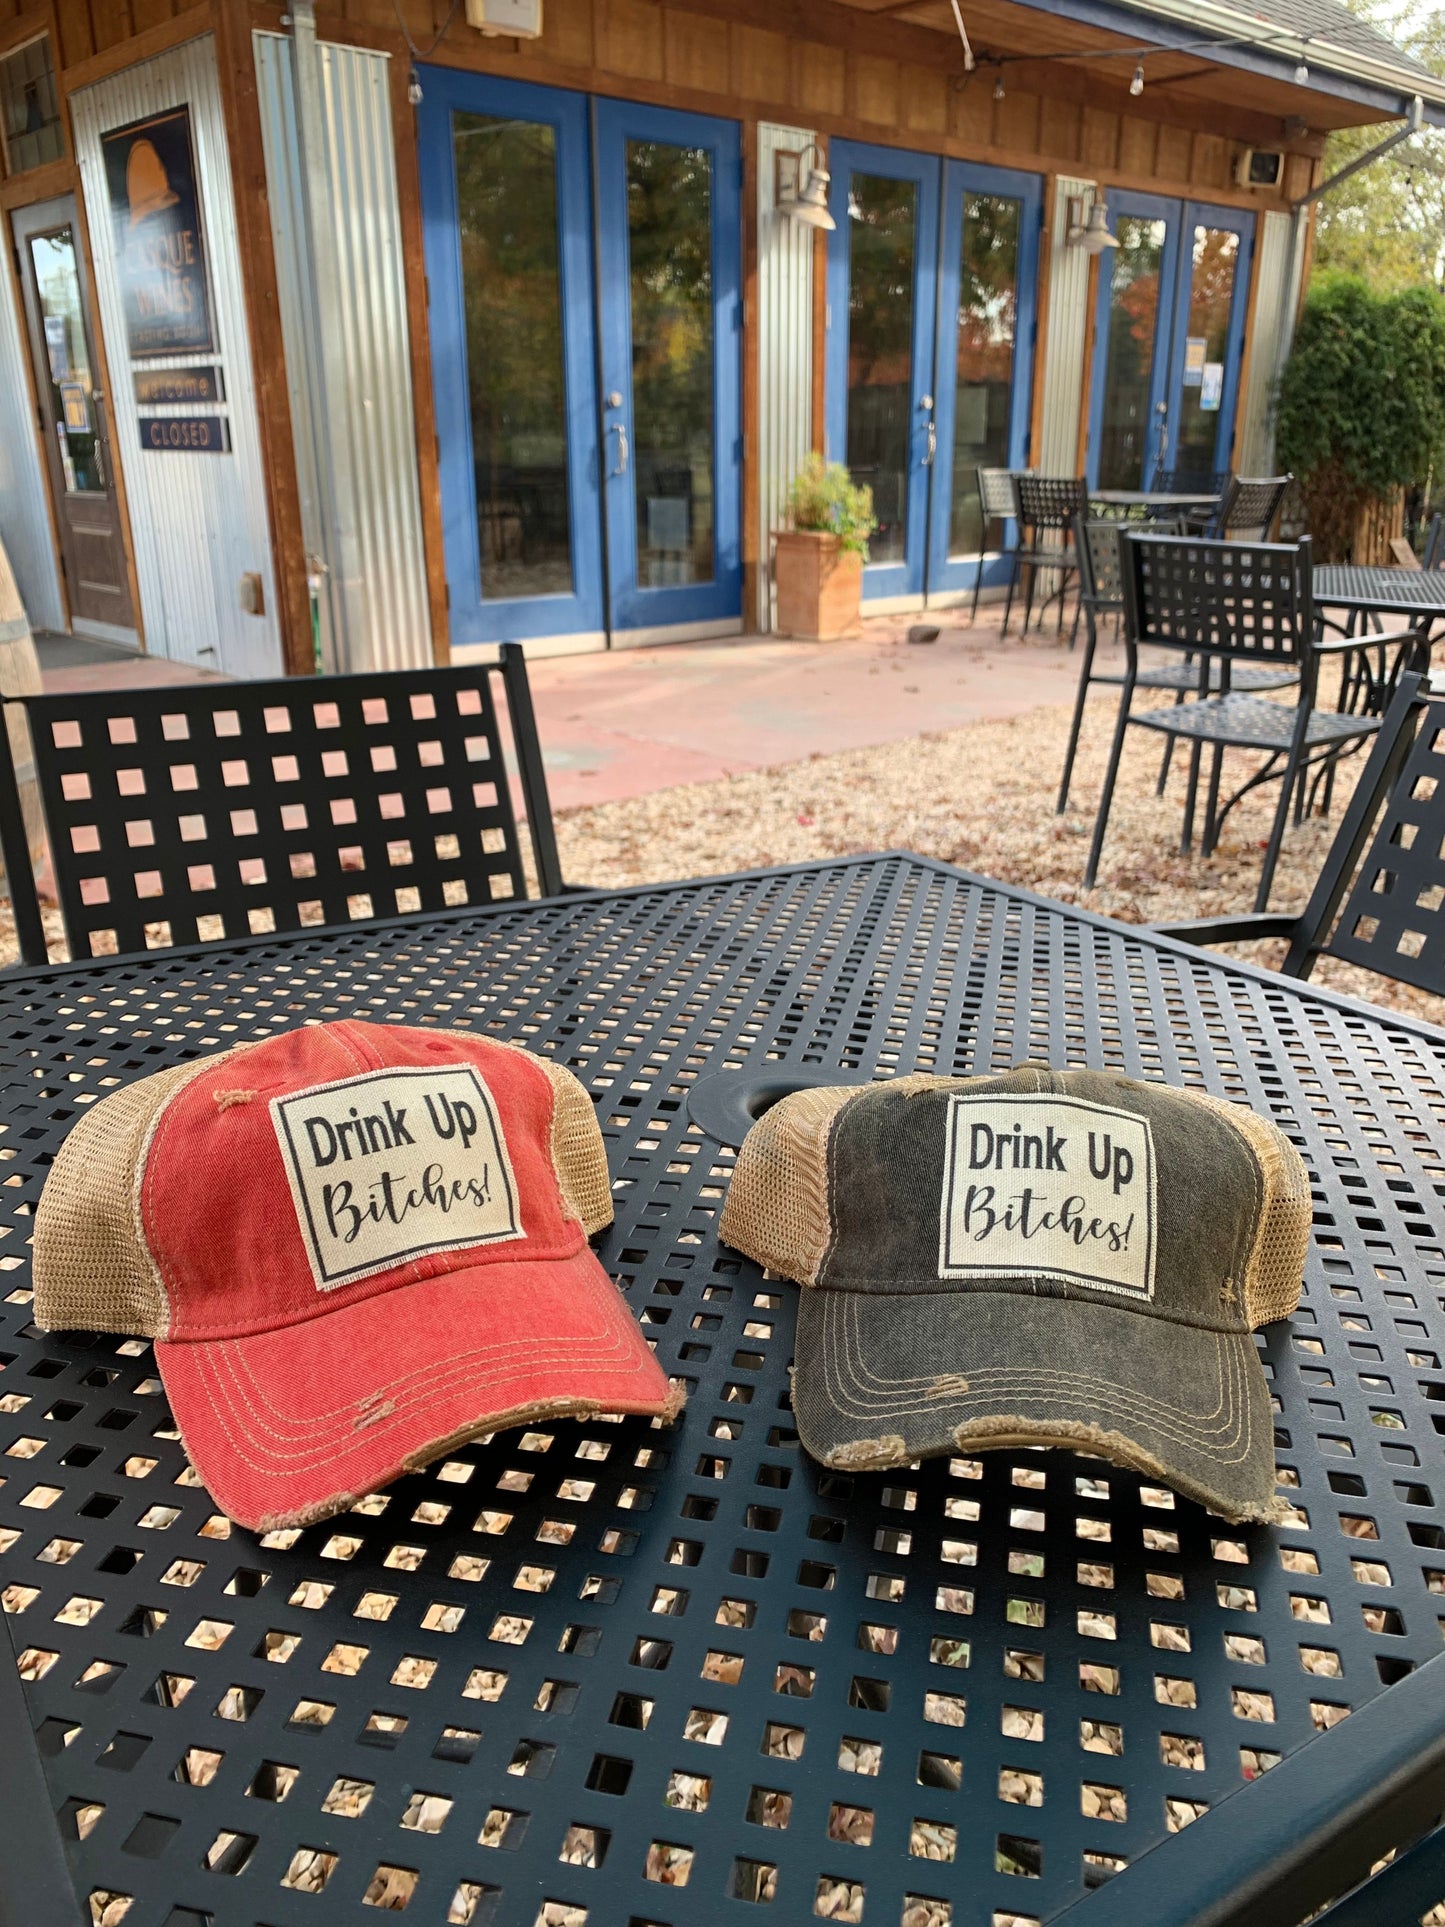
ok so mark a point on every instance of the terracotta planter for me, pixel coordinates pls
(820, 585)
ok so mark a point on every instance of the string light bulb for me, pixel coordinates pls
(1302, 74)
(413, 89)
(1136, 85)
(998, 85)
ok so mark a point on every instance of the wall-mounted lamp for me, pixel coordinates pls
(1092, 235)
(800, 199)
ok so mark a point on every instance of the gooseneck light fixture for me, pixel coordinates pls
(806, 201)
(1092, 235)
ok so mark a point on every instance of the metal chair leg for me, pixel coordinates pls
(1086, 676)
(1111, 776)
(1027, 561)
(1191, 797)
(1013, 581)
(1292, 774)
(1211, 804)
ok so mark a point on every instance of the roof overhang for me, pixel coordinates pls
(1246, 41)
(1202, 57)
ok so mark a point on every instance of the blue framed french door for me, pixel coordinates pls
(566, 236)
(932, 286)
(992, 224)
(1216, 251)
(1169, 331)
(507, 230)
(669, 187)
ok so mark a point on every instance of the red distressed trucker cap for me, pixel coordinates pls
(356, 1246)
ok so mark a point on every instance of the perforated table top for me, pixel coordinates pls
(609, 1673)
(1344, 586)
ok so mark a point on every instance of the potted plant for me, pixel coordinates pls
(819, 558)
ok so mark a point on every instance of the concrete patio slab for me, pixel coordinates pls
(628, 722)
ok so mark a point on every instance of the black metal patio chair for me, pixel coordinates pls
(1048, 507)
(1393, 892)
(1248, 508)
(1238, 604)
(1096, 543)
(998, 501)
(194, 812)
(1188, 481)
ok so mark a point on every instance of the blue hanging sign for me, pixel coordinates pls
(155, 213)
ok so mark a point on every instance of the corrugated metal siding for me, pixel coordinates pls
(351, 390)
(198, 522)
(24, 523)
(1255, 454)
(785, 350)
(1064, 337)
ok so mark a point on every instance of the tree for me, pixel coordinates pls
(1387, 223)
(1362, 402)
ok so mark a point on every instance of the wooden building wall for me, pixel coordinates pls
(823, 66)
(715, 51)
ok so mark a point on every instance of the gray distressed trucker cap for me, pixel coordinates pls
(1039, 1258)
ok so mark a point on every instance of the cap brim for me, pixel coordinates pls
(289, 1426)
(1185, 1406)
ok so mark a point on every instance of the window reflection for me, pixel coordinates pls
(512, 302)
(880, 352)
(57, 286)
(984, 363)
(1129, 366)
(669, 235)
(1215, 259)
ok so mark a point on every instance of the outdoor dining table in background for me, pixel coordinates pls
(1152, 501)
(1365, 592)
(608, 1673)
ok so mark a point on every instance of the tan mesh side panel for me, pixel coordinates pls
(578, 1153)
(776, 1210)
(92, 1269)
(1275, 1273)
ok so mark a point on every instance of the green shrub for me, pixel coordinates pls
(826, 500)
(1361, 407)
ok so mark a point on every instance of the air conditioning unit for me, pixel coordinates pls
(1256, 166)
(518, 19)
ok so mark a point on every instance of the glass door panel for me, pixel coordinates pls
(516, 378)
(1128, 432)
(1214, 268)
(984, 361)
(882, 287)
(880, 352)
(508, 234)
(57, 287)
(668, 278)
(79, 456)
(669, 235)
(992, 220)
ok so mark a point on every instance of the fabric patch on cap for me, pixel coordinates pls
(393, 1166)
(1048, 1186)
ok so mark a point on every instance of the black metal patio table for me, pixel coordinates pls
(1156, 501)
(1365, 592)
(606, 1673)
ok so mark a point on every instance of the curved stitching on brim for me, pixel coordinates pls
(1108, 1395)
(999, 1377)
(608, 1302)
(216, 1367)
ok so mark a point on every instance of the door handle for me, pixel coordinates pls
(931, 448)
(1161, 409)
(617, 429)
